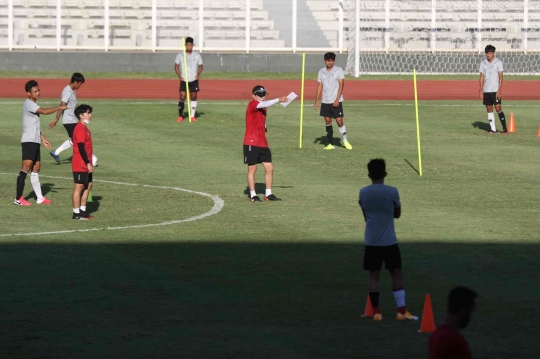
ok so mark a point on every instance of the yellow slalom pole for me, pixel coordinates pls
(417, 124)
(187, 80)
(302, 97)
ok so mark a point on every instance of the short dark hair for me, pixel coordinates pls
(376, 168)
(189, 40)
(461, 298)
(30, 84)
(490, 48)
(330, 56)
(82, 109)
(77, 77)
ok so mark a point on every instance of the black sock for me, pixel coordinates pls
(374, 298)
(503, 120)
(330, 134)
(20, 184)
(180, 108)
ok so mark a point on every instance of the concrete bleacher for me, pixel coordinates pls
(130, 23)
(410, 23)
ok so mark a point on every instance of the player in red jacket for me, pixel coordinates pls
(81, 163)
(255, 145)
(446, 342)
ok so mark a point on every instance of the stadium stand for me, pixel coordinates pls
(130, 23)
(271, 23)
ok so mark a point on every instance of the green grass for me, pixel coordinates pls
(267, 280)
(240, 76)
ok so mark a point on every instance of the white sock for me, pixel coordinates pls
(76, 210)
(268, 192)
(64, 146)
(83, 208)
(343, 132)
(399, 296)
(491, 119)
(252, 194)
(34, 178)
(193, 108)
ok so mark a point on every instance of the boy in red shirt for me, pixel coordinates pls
(255, 145)
(81, 162)
(446, 342)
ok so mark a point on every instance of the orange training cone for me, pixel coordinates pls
(538, 131)
(512, 125)
(368, 312)
(428, 323)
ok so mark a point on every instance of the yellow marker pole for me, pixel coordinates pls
(417, 124)
(187, 80)
(302, 97)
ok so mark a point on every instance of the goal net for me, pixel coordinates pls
(441, 36)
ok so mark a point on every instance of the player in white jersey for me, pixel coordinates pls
(381, 205)
(491, 80)
(69, 98)
(31, 143)
(331, 80)
(194, 69)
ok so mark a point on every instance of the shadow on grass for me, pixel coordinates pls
(324, 141)
(481, 126)
(260, 188)
(197, 113)
(410, 165)
(92, 207)
(46, 188)
(254, 300)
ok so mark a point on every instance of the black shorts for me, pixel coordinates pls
(69, 128)
(254, 155)
(374, 256)
(193, 86)
(490, 99)
(328, 110)
(82, 177)
(31, 151)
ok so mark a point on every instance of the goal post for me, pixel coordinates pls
(441, 36)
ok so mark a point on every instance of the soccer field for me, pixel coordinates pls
(206, 273)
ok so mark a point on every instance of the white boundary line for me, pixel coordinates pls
(218, 206)
(348, 104)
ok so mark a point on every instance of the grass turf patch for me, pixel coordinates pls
(270, 279)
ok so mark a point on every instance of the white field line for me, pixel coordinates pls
(244, 103)
(218, 205)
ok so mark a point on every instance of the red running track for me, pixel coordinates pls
(241, 89)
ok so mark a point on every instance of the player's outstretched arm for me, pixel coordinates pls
(268, 103)
(55, 121)
(48, 111)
